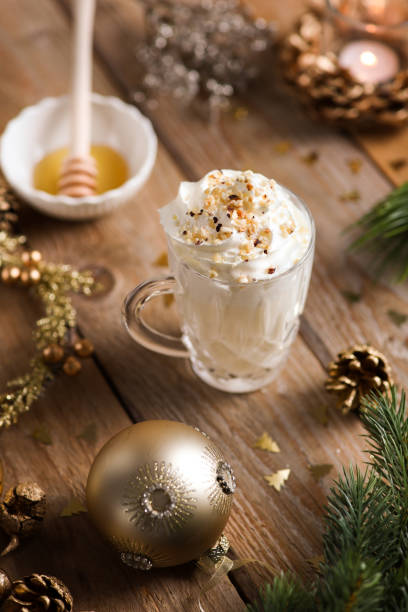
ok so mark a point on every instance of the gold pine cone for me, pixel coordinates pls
(38, 592)
(356, 372)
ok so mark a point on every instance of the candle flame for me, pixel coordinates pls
(368, 58)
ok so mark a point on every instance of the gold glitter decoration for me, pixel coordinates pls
(42, 435)
(266, 443)
(398, 318)
(350, 196)
(355, 372)
(351, 296)
(310, 158)
(355, 165)
(329, 91)
(89, 434)
(399, 163)
(277, 479)
(319, 471)
(161, 493)
(51, 284)
(282, 147)
(162, 260)
(159, 498)
(74, 506)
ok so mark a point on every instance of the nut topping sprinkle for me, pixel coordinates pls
(248, 220)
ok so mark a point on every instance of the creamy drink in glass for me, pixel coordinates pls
(241, 253)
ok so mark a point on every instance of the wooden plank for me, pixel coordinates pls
(282, 529)
(197, 148)
(68, 547)
(388, 149)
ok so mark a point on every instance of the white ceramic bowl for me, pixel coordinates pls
(42, 128)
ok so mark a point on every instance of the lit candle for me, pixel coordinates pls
(369, 61)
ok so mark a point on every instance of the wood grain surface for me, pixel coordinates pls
(125, 383)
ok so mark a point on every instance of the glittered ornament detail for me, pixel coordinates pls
(225, 478)
(159, 498)
(222, 483)
(139, 562)
(218, 552)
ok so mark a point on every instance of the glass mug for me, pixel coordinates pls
(236, 335)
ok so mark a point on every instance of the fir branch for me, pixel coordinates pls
(384, 233)
(285, 594)
(357, 511)
(365, 566)
(351, 584)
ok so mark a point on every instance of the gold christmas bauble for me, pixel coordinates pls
(161, 493)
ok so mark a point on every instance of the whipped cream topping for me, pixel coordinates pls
(235, 225)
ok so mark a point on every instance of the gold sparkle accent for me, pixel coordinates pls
(219, 490)
(159, 498)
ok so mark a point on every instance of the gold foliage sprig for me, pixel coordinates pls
(52, 284)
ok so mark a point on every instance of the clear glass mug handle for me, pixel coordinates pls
(139, 330)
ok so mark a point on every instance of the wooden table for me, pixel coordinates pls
(125, 383)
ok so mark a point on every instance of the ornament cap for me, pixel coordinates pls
(140, 562)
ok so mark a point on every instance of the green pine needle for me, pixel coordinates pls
(384, 233)
(285, 594)
(365, 542)
(351, 584)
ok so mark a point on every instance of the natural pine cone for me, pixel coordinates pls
(38, 593)
(22, 512)
(5, 586)
(356, 372)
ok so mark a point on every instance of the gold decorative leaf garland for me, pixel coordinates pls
(51, 283)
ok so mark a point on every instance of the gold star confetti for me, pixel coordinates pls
(310, 158)
(266, 443)
(74, 506)
(351, 296)
(319, 412)
(42, 435)
(278, 479)
(89, 434)
(319, 471)
(240, 113)
(162, 260)
(282, 147)
(398, 318)
(350, 196)
(398, 164)
(355, 165)
(168, 299)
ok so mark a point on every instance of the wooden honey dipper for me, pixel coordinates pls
(78, 172)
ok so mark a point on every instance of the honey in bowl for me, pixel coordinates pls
(112, 169)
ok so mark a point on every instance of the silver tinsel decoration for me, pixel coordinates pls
(209, 49)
